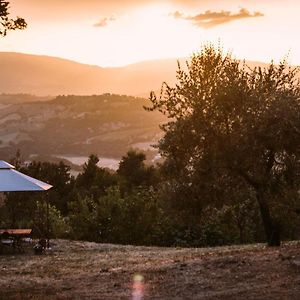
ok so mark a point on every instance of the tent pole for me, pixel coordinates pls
(47, 224)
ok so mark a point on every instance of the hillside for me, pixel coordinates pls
(44, 75)
(6, 99)
(83, 270)
(75, 126)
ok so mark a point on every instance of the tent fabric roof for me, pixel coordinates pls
(14, 181)
(5, 165)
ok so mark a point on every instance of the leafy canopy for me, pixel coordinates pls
(247, 120)
(229, 122)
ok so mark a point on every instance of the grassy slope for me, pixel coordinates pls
(82, 270)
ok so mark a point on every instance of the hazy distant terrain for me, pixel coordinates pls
(76, 126)
(44, 75)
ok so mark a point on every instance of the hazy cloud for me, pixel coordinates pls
(210, 19)
(104, 21)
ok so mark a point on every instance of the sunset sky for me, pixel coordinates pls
(120, 32)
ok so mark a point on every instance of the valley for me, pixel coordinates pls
(73, 127)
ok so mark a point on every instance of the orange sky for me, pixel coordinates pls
(120, 32)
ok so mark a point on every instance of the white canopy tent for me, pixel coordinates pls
(14, 181)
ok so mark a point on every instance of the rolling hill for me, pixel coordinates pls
(43, 76)
(73, 127)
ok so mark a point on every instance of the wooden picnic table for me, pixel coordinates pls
(14, 237)
(16, 232)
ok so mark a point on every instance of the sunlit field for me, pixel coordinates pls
(82, 270)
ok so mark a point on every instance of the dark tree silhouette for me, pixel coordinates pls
(230, 123)
(6, 22)
(134, 172)
(94, 180)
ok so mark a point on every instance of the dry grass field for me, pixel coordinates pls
(83, 270)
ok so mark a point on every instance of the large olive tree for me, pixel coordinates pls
(229, 123)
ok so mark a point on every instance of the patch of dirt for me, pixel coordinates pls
(84, 270)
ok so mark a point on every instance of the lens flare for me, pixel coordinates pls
(138, 287)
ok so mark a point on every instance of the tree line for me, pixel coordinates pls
(230, 170)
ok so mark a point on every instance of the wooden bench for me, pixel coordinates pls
(14, 237)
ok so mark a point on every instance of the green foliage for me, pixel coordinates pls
(57, 175)
(133, 171)
(230, 124)
(132, 168)
(94, 181)
(164, 213)
(142, 217)
(58, 225)
(19, 209)
(82, 219)
(112, 218)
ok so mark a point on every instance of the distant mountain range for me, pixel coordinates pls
(44, 76)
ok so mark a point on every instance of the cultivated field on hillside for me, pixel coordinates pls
(75, 126)
(83, 270)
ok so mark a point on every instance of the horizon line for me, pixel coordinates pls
(128, 64)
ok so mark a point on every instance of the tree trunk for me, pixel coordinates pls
(271, 227)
